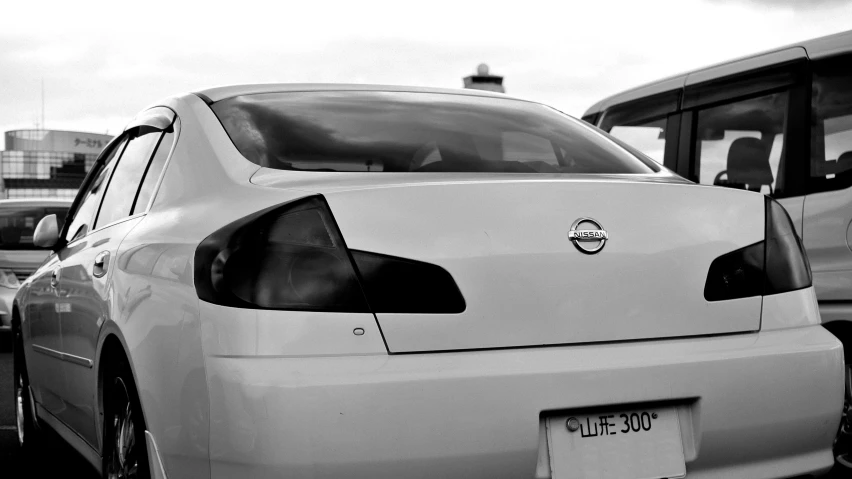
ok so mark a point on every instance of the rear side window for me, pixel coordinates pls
(831, 125)
(741, 144)
(124, 183)
(415, 132)
(153, 172)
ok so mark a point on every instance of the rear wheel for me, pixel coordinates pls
(843, 443)
(125, 454)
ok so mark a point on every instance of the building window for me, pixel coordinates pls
(31, 171)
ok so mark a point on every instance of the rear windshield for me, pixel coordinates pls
(17, 224)
(415, 132)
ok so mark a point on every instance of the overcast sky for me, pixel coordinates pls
(102, 62)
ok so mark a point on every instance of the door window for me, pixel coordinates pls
(91, 198)
(124, 184)
(648, 137)
(153, 172)
(831, 126)
(741, 144)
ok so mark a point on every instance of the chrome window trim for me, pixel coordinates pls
(101, 228)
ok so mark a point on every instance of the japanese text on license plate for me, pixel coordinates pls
(613, 424)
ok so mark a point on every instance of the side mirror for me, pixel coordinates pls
(46, 233)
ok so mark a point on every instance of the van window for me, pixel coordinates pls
(831, 126)
(649, 137)
(741, 144)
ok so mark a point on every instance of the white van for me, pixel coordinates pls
(778, 122)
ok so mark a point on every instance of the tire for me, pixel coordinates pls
(843, 443)
(125, 453)
(30, 440)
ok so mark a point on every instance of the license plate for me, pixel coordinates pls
(635, 444)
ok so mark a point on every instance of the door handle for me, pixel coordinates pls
(54, 278)
(101, 264)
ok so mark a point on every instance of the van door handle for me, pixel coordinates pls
(101, 263)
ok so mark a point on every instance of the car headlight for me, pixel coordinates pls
(8, 279)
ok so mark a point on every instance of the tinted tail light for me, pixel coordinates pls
(293, 257)
(738, 274)
(777, 264)
(287, 257)
(397, 285)
(787, 267)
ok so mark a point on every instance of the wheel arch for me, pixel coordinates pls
(112, 348)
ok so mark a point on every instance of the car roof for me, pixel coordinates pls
(35, 202)
(212, 95)
(813, 49)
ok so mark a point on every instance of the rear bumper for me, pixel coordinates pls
(752, 405)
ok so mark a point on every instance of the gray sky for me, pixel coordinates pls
(102, 62)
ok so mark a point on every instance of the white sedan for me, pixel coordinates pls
(318, 281)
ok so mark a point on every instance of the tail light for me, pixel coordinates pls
(398, 285)
(787, 267)
(293, 257)
(777, 264)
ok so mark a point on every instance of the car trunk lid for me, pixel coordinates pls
(525, 283)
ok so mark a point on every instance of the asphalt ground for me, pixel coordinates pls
(57, 459)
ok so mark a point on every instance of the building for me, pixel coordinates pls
(47, 163)
(483, 80)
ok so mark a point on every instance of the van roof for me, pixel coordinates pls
(814, 49)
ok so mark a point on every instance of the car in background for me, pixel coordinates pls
(19, 258)
(778, 122)
(324, 281)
